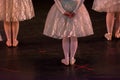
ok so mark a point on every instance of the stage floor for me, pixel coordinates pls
(96, 60)
(38, 57)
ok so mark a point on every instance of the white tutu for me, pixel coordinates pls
(16, 10)
(59, 26)
(106, 5)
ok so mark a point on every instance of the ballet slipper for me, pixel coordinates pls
(15, 42)
(72, 61)
(108, 36)
(117, 35)
(8, 43)
(65, 61)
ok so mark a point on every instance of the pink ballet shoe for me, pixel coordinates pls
(72, 61)
(65, 61)
(8, 43)
(117, 35)
(15, 43)
(108, 36)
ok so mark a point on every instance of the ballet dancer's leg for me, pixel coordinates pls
(15, 30)
(73, 49)
(7, 28)
(109, 24)
(117, 25)
(66, 47)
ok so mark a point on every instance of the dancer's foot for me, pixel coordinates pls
(9, 43)
(65, 61)
(72, 61)
(15, 42)
(117, 35)
(108, 36)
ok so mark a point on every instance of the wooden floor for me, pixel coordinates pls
(38, 57)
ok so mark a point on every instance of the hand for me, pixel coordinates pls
(69, 14)
(72, 14)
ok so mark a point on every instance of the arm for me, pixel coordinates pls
(80, 2)
(59, 6)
